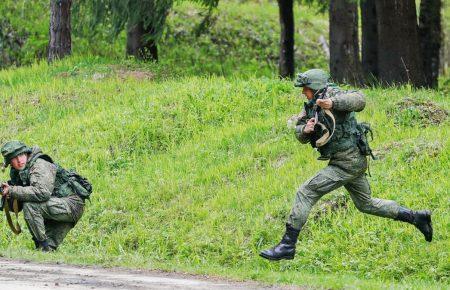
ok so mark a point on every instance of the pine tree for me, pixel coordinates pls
(345, 65)
(60, 42)
(286, 61)
(399, 59)
(430, 33)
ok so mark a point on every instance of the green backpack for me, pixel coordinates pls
(68, 181)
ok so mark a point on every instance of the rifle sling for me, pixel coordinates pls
(15, 229)
(326, 136)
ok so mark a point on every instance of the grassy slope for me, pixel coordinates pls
(199, 174)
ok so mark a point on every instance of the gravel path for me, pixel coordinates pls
(17, 275)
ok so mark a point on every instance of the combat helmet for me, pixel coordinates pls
(315, 79)
(12, 149)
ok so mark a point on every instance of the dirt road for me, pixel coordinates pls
(18, 275)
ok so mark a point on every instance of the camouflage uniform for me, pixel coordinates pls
(48, 217)
(346, 167)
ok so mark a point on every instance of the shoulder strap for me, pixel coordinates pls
(15, 229)
(41, 156)
(327, 136)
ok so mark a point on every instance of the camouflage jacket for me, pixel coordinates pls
(341, 150)
(38, 181)
(34, 183)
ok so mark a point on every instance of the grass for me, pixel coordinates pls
(198, 174)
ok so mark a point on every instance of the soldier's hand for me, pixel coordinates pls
(325, 103)
(309, 127)
(5, 187)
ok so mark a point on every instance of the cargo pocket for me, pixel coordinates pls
(58, 210)
(324, 182)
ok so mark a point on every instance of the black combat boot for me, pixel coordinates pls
(285, 249)
(44, 247)
(421, 219)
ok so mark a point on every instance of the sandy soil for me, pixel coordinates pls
(19, 275)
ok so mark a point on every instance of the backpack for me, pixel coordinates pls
(69, 181)
(363, 129)
(79, 184)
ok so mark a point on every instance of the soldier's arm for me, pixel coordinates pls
(299, 128)
(42, 182)
(352, 101)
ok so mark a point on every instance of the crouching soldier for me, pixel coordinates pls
(328, 123)
(51, 205)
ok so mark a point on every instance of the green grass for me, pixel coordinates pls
(198, 174)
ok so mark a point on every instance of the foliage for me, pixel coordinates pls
(198, 174)
(122, 13)
(119, 13)
(10, 44)
(23, 31)
(239, 39)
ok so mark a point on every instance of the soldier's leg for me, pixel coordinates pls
(325, 181)
(32, 213)
(55, 209)
(360, 193)
(36, 242)
(59, 221)
(308, 194)
(57, 231)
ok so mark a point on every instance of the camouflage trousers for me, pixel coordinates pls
(331, 178)
(50, 220)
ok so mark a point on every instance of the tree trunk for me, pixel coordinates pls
(399, 59)
(286, 63)
(345, 65)
(60, 43)
(369, 39)
(430, 39)
(140, 44)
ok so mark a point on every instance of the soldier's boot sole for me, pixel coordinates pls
(272, 257)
